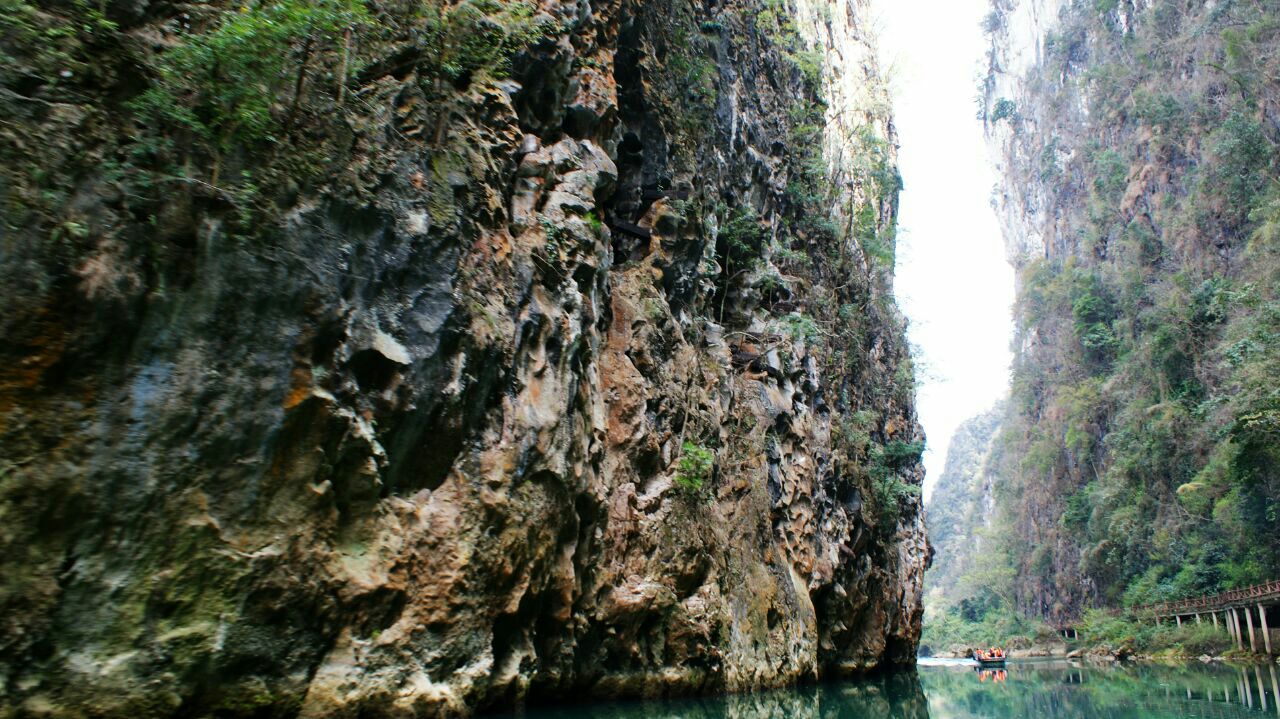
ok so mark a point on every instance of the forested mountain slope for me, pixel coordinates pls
(1141, 206)
(381, 358)
(959, 511)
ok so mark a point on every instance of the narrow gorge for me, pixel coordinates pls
(375, 358)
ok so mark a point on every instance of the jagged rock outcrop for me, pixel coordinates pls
(447, 356)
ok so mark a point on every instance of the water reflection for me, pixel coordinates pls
(896, 695)
(995, 675)
(1067, 689)
(956, 690)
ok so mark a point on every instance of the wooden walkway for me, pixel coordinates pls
(1237, 609)
(1268, 593)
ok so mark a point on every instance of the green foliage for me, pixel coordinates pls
(1159, 110)
(1241, 161)
(694, 468)
(800, 326)
(890, 490)
(595, 223)
(695, 76)
(791, 256)
(223, 84)
(1110, 173)
(1049, 169)
(981, 621)
(891, 495)
(740, 244)
(744, 236)
(809, 62)
(775, 22)
(876, 166)
(477, 36)
(556, 238)
(1113, 631)
(697, 72)
(854, 432)
(898, 454)
(1004, 109)
(866, 228)
(61, 49)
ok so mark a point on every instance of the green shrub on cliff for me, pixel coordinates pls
(226, 84)
(890, 490)
(56, 49)
(694, 468)
(1004, 109)
(476, 36)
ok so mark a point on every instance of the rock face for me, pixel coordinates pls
(464, 380)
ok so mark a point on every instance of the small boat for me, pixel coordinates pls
(991, 658)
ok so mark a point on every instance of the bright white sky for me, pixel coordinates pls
(952, 278)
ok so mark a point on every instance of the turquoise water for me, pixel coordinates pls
(943, 689)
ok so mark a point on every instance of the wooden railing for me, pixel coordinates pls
(1269, 591)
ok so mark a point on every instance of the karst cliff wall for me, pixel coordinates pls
(374, 359)
(1136, 143)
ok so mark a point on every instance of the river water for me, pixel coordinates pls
(942, 689)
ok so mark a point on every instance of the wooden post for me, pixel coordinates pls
(1266, 632)
(1248, 687)
(1253, 640)
(1275, 688)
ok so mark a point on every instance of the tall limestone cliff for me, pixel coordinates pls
(1138, 142)
(374, 358)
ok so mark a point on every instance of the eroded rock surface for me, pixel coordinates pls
(407, 439)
